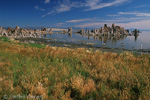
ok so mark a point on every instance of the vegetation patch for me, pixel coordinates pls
(72, 74)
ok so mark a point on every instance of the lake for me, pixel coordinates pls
(104, 43)
(117, 42)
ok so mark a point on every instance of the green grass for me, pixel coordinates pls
(37, 45)
(5, 39)
(62, 73)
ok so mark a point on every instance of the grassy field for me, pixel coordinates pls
(57, 73)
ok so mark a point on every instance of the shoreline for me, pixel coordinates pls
(53, 42)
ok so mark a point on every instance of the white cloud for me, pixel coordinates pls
(92, 3)
(64, 6)
(141, 6)
(49, 13)
(112, 15)
(143, 24)
(59, 24)
(47, 1)
(38, 8)
(82, 20)
(128, 19)
(110, 20)
(68, 5)
(135, 13)
(139, 20)
(100, 5)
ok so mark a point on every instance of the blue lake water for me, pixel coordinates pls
(125, 42)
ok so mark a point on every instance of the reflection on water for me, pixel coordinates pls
(69, 34)
(119, 41)
(136, 37)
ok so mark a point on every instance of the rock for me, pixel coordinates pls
(66, 45)
(4, 33)
(1, 28)
(17, 28)
(70, 30)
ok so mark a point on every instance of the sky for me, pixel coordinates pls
(75, 13)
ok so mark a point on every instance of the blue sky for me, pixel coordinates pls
(75, 13)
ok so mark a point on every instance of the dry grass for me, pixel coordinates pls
(62, 73)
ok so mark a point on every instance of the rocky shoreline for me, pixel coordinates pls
(34, 36)
(36, 33)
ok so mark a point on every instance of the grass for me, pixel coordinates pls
(5, 39)
(72, 74)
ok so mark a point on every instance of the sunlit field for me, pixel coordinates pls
(57, 73)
